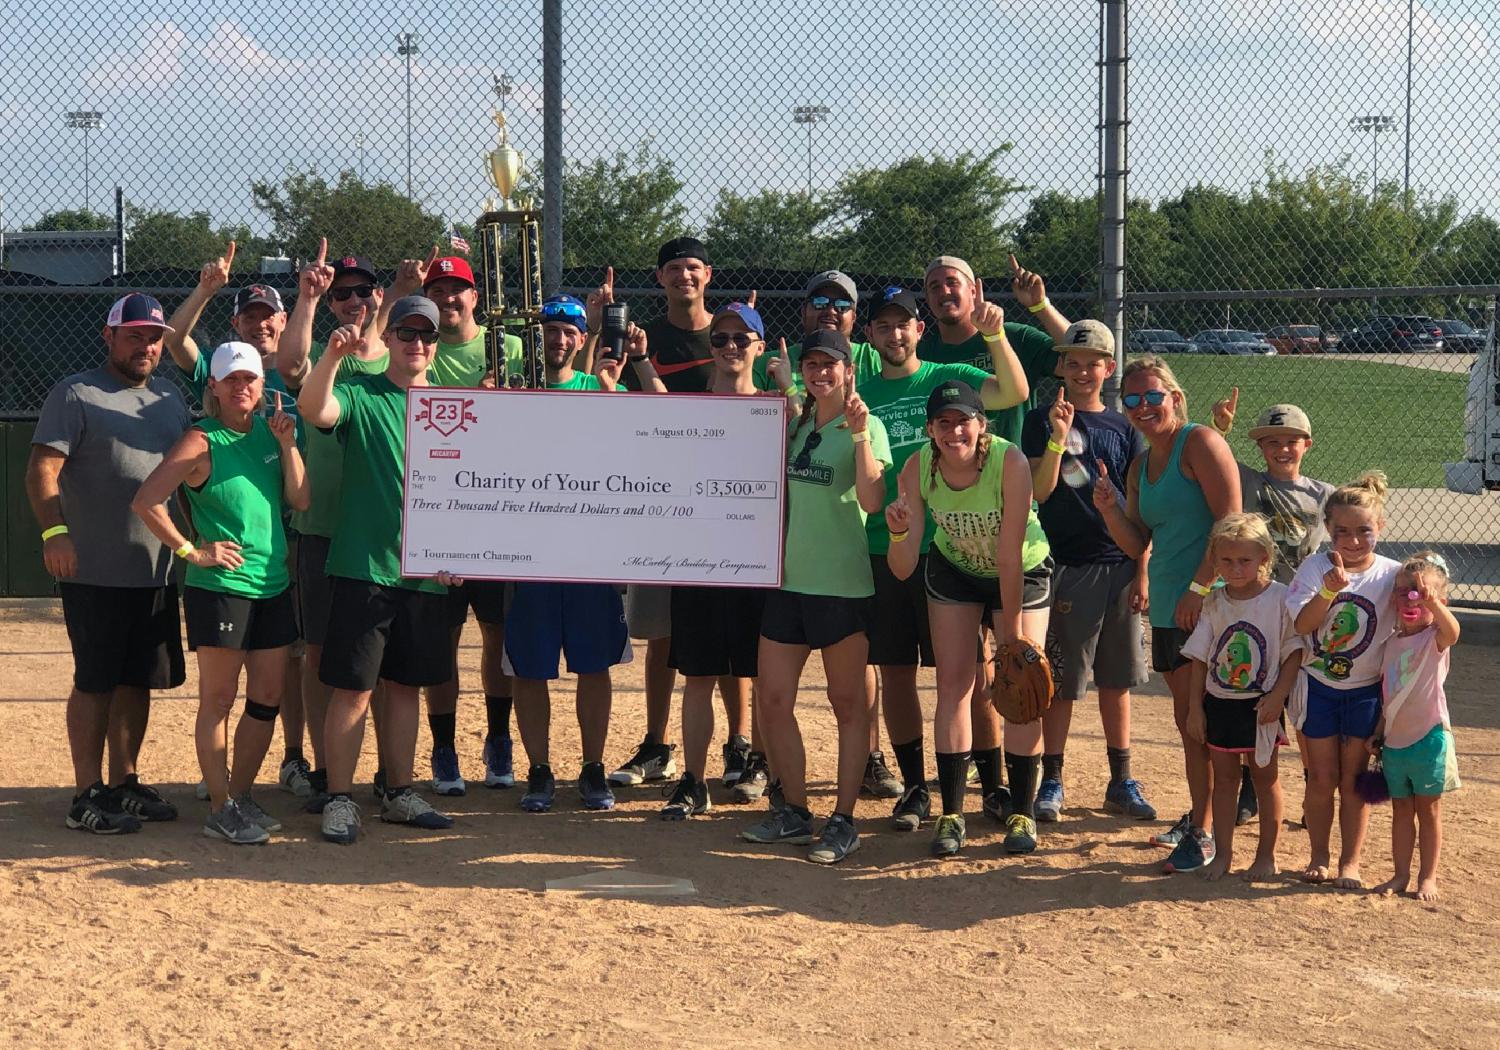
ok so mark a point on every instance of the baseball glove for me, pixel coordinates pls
(1023, 681)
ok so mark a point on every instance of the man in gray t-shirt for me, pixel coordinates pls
(99, 434)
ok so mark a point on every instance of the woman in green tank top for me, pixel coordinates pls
(237, 473)
(989, 562)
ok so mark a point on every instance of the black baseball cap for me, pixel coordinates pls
(681, 248)
(354, 264)
(892, 295)
(258, 294)
(834, 344)
(956, 395)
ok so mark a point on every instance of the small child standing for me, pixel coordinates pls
(1420, 765)
(1245, 654)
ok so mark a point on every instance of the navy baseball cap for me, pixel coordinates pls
(748, 314)
(830, 342)
(137, 310)
(258, 295)
(681, 248)
(892, 295)
(955, 395)
(354, 264)
(564, 309)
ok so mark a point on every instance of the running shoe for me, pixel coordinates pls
(540, 789)
(971, 775)
(998, 805)
(1124, 797)
(232, 825)
(446, 779)
(782, 824)
(736, 759)
(143, 801)
(251, 811)
(1020, 834)
(340, 820)
(296, 777)
(689, 799)
(879, 780)
(1049, 801)
(1248, 808)
(408, 807)
(377, 785)
(498, 770)
(1194, 851)
(98, 810)
(593, 787)
(752, 782)
(948, 838)
(650, 762)
(318, 779)
(1176, 833)
(839, 839)
(913, 807)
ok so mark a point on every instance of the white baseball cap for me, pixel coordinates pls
(232, 357)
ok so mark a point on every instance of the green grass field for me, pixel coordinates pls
(1405, 421)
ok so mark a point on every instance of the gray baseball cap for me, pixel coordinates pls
(1281, 419)
(410, 306)
(838, 278)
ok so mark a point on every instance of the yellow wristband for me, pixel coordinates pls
(863, 435)
(1199, 589)
(184, 551)
(1053, 446)
(1039, 307)
(898, 537)
(56, 530)
(1326, 594)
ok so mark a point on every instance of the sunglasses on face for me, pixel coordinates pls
(738, 340)
(562, 312)
(408, 335)
(804, 458)
(824, 302)
(1154, 398)
(364, 291)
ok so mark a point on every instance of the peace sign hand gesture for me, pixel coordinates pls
(215, 275)
(987, 317)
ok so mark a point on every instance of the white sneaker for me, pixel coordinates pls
(341, 820)
(294, 777)
(252, 812)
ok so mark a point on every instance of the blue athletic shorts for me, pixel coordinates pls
(1427, 767)
(584, 621)
(1349, 713)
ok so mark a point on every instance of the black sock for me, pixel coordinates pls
(1052, 767)
(1245, 777)
(650, 740)
(953, 775)
(443, 728)
(988, 764)
(1022, 770)
(909, 761)
(1119, 764)
(293, 754)
(497, 714)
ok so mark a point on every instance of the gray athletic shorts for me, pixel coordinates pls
(1093, 626)
(648, 610)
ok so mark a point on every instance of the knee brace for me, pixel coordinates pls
(260, 712)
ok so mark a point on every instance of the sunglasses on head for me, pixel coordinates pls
(364, 291)
(1153, 398)
(561, 312)
(408, 334)
(823, 302)
(739, 340)
(804, 458)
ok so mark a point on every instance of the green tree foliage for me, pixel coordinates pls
(359, 218)
(157, 240)
(72, 220)
(770, 230)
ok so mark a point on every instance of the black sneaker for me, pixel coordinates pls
(318, 780)
(98, 810)
(377, 786)
(879, 780)
(998, 806)
(1248, 808)
(736, 759)
(689, 798)
(913, 807)
(650, 762)
(751, 785)
(143, 801)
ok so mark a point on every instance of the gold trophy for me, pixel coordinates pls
(505, 167)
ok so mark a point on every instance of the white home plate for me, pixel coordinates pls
(621, 882)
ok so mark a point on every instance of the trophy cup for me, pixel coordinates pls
(505, 166)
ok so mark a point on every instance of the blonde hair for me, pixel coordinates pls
(1154, 365)
(1431, 569)
(1245, 528)
(1366, 492)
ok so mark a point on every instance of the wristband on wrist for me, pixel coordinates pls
(1225, 431)
(1326, 594)
(997, 337)
(1053, 446)
(899, 537)
(638, 360)
(56, 530)
(1199, 589)
(185, 551)
(1039, 307)
(860, 436)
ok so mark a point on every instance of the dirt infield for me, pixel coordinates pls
(166, 938)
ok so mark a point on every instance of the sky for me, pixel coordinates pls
(197, 103)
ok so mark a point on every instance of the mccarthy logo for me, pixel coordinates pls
(446, 415)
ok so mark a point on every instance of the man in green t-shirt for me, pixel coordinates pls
(381, 627)
(829, 302)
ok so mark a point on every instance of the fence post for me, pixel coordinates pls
(1114, 124)
(552, 147)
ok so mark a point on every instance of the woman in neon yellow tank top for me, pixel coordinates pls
(238, 473)
(989, 562)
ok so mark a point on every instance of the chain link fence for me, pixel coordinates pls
(1346, 145)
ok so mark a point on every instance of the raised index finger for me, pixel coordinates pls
(1234, 398)
(431, 257)
(322, 250)
(1015, 267)
(229, 255)
(978, 292)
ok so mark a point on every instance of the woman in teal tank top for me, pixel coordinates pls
(237, 473)
(989, 563)
(1185, 481)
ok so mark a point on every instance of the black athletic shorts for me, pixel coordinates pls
(813, 620)
(1166, 648)
(130, 636)
(379, 632)
(229, 621)
(949, 584)
(1232, 725)
(716, 630)
(488, 597)
(314, 590)
(899, 633)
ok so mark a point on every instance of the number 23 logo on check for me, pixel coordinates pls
(447, 415)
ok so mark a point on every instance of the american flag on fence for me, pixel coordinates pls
(456, 239)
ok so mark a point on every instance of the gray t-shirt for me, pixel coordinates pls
(1294, 515)
(114, 436)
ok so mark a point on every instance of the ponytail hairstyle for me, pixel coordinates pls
(809, 405)
(1245, 528)
(1366, 492)
(1431, 569)
(1158, 367)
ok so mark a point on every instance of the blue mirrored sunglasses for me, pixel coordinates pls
(1150, 397)
(561, 311)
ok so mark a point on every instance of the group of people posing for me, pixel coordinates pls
(935, 507)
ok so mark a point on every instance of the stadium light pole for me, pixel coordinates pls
(1406, 176)
(359, 145)
(1374, 124)
(89, 120)
(810, 115)
(406, 46)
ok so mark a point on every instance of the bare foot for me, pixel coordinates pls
(1396, 884)
(1316, 871)
(1349, 878)
(1217, 868)
(1263, 870)
(1427, 889)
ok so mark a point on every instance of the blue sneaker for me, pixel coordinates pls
(593, 788)
(1125, 798)
(1175, 834)
(498, 771)
(1049, 800)
(1194, 851)
(446, 779)
(540, 788)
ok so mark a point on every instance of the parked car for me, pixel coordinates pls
(1459, 337)
(1297, 339)
(1157, 341)
(1230, 341)
(1394, 334)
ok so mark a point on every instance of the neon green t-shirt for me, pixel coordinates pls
(324, 455)
(464, 364)
(241, 502)
(578, 381)
(865, 358)
(968, 519)
(1033, 348)
(825, 530)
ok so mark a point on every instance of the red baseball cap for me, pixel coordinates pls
(450, 266)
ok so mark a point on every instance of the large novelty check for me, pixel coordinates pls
(605, 487)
